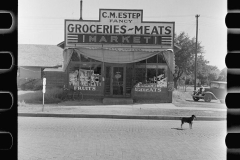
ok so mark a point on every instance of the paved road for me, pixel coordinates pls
(119, 139)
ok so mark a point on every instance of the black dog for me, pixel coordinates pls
(188, 120)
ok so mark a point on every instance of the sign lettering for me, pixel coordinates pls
(138, 89)
(117, 39)
(119, 27)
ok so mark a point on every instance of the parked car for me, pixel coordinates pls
(216, 91)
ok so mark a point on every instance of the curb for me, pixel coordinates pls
(161, 117)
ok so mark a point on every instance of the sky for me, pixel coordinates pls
(42, 21)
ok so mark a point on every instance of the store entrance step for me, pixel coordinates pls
(117, 101)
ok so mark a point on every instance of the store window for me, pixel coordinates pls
(90, 75)
(85, 74)
(152, 71)
(140, 75)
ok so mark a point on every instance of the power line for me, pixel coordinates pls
(212, 25)
(212, 18)
(62, 28)
(96, 18)
(47, 17)
(25, 17)
(176, 21)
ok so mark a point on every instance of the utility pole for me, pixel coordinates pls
(81, 10)
(195, 75)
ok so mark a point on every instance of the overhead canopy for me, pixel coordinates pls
(119, 55)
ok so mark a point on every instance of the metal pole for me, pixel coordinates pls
(195, 75)
(43, 103)
(81, 10)
(44, 90)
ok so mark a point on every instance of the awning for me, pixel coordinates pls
(119, 55)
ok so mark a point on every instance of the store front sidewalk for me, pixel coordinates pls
(161, 111)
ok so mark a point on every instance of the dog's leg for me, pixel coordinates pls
(181, 123)
(190, 125)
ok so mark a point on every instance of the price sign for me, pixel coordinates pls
(44, 81)
(44, 89)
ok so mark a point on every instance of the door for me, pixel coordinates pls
(108, 77)
(118, 81)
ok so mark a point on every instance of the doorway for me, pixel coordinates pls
(118, 81)
(115, 80)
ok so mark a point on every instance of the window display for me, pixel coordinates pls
(148, 75)
(151, 74)
(85, 75)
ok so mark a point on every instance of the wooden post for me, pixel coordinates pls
(44, 90)
(43, 103)
(195, 75)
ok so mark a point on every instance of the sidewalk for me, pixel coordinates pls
(162, 111)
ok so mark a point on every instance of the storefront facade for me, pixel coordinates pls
(120, 56)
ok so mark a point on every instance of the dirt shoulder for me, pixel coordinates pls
(181, 99)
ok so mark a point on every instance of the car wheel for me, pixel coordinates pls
(207, 97)
(195, 98)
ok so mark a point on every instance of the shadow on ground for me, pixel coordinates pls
(178, 128)
(214, 101)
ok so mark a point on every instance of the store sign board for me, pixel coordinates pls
(119, 27)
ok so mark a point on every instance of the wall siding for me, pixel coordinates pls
(55, 79)
(30, 72)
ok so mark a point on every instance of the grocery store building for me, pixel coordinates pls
(120, 56)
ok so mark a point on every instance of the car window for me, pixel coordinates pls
(214, 85)
(223, 86)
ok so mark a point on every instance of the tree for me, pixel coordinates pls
(213, 73)
(202, 69)
(205, 72)
(184, 58)
(223, 75)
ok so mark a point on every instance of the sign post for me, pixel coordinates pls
(44, 90)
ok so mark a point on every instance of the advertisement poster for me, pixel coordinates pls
(84, 80)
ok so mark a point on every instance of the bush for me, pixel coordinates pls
(51, 96)
(21, 104)
(30, 84)
(53, 92)
(27, 84)
(21, 82)
(38, 85)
